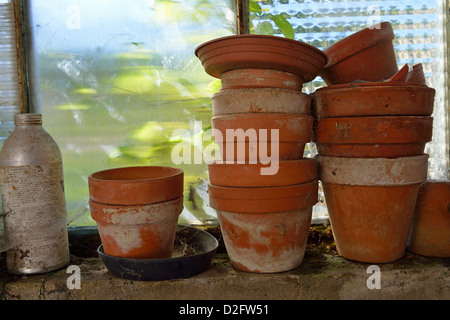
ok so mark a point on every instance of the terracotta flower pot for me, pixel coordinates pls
(136, 185)
(373, 99)
(260, 52)
(254, 131)
(266, 242)
(265, 229)
(140, 231)
(430, 231)
(253, 100)
(366, 55)
(373, 137)
(281, 173)
(261, 78)
(371, 204)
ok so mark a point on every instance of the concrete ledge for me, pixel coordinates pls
(323, 275)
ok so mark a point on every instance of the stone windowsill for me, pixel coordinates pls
(323, 275)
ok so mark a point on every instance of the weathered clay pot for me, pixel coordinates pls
(366, 55)
(136, 185)
(261, 78)
(265, 229)
(253, 131)
(266, 242)
(371, 204)
(430, 230)
(373, 99)
(260, 52)
(140, 231)
(271, 100)
(373, 137)
(278, 173)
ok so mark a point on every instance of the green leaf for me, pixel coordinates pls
(284, 25)
(264, 27)
(253, 6)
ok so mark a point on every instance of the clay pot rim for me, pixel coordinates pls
(289, 172)
(353, 101)
(103, 218)
(277, 41)
(268, 121)
(136, 185)
(357, 42)
(369, 118)
(261, 78)
(321, 136)
(263, 200)
(223, 92)
(275, 115)
(381, 118)
(259, 164)
(325, 131)
(385, 171)
(130, 206)
(172, 172)
(263, 193)
(393, 85)
(235, 52)
(260, 100)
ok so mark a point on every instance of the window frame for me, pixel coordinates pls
(22, 79)
(446, 21)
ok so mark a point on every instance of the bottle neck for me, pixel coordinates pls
(24, 119)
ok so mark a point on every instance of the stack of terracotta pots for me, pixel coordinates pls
(262, 188)
(372, 124)
(136, 210)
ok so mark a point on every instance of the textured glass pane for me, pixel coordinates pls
(9, 86)
(115, 79)
(419, 38)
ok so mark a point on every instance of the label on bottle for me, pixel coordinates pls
(35, 223)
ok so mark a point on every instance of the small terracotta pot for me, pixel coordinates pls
(254, 131)
(373, 137)
(366, 55)
(281, 173)
(253, 51)
(373, 99)
(371, 204)
(138, 232)
(136, 185)
(258, 100)
(261, 78)
(263, 200)
(265, 229)
(430, 231)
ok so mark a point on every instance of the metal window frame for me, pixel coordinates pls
(21, 56)
(446, 29)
